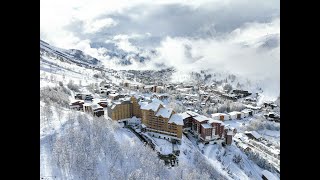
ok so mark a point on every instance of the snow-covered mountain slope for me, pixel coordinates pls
(61, 128)
(71, 55)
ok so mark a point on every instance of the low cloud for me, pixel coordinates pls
(235, 36)
(98, 25)
(238, 53)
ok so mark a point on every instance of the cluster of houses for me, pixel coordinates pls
(157, 120)
(234, 115)
(84, 102)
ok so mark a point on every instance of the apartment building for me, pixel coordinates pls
(202, 127)
(161, 122)
(124, 108)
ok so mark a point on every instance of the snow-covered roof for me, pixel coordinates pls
(157, 101)
(269, 175)
(230, 133)
(149, 86)
(96, 106)
(214, 121)
(87, 104)
(142, 103)
(274, 113)
(246, 110)
(201, 118)
(206, 126)
(177, 119)
(153, 106)
(185, 115)
(191, 113)
(75, 100)
(113, 95)
(244, 146)
(218, 114)
(252, 107)
(254, 134)
(234, 113)
(164, 112)
(240, 136)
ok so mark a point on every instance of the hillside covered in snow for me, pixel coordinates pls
(77, 145)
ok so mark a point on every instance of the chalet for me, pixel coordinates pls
(94, 109)
(250, 99)
(103, 103)
(241, 136)
(133, 86)
(78, 96)
(269, 104)
(97, 110)
(253, 135)
(150, 88)
(114, 96)
(267, 175)
(255, 109)
(220, 116)
(76, 104)
(243, 147)
(236, 115)
(274, 116)
(163, 96)
(247, 112)
(81, 96)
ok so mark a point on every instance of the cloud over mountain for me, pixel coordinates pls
(237, 36)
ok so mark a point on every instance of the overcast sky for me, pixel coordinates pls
(237, 36)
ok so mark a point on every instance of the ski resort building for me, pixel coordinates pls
(204, 128)
(124, 108)
(236, 115)
(162, 122)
